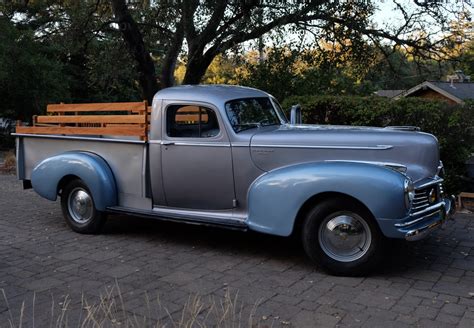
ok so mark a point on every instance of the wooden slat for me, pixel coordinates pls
(129, 119)
(190, 118)
(115, 130)
(97, 107)
(125, 125)
(120, 125)
(44, 124)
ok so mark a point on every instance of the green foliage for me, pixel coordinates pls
(466, 60)
(110, 73)
(286, 71)
(395, 71)
(451, 124)
(67, 52)
(30, 77)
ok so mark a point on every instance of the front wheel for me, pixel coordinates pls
(342, 237)
(79, 209)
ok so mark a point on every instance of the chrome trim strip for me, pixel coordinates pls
(54, 136)
(434, 208)
(429, 183)
(386, 164)
(200, 144)
(429, 209)
(214, 221)
(189, 143)
(420, 201)
(403, 127)
(240, 144)
(196, 214)
(378, 147)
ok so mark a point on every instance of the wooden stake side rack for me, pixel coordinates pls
(104, 119)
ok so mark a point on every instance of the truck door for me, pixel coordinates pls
(196, 158)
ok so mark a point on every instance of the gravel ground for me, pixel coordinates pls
(427, 284)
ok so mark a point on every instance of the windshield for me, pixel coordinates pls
(250, 113)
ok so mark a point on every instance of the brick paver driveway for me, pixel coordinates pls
(430, 283)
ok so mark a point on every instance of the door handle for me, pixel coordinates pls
(167, 143)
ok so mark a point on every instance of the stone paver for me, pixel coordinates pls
(155, 270)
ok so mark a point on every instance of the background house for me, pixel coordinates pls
(455, 90)
(388, 93)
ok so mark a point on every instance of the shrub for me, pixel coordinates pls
(7, 141)
(451, 124)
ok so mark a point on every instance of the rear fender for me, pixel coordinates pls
(276, 197)
(90, 168)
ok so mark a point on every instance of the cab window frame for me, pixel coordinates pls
(207, 109)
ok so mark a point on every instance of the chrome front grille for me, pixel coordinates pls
(420, 202)
(422, 197)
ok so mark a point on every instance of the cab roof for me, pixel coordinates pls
(217, 94)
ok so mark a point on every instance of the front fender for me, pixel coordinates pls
(90, 168)
(276, 197)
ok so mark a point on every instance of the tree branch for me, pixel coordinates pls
(134, 40)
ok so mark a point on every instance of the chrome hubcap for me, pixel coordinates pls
(345, 236)
(80, 205)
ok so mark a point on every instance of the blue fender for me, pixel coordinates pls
(90, 168)
(276, 197)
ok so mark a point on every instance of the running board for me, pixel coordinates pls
(214, 222)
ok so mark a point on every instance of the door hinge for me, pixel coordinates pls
(234, 202)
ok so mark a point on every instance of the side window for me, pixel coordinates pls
(185, 121)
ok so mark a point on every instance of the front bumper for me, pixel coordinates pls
(416, 228)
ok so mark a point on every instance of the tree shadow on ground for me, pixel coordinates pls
(400, 256)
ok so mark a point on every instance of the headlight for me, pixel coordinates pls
(409, 193)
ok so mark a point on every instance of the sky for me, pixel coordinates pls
(387, 12)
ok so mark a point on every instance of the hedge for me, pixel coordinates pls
(451, 124)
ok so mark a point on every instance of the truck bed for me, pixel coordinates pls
(126, 158)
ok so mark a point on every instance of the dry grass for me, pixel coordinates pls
(9, 164)
(110, 310)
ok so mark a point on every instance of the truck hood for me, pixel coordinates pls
(291, 144)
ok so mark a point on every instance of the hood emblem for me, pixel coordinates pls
(262, 151)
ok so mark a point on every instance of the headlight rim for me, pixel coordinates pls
(409, 191)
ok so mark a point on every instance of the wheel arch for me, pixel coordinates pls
(64, 181)
(53, 173)
(318, 199)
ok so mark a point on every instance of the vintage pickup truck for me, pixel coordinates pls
(227, 156)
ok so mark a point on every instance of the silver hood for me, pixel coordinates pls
(290, 144)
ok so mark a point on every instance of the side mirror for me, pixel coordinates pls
(295, 114)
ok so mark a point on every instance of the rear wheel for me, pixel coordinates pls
(342, 237)
(79, 209)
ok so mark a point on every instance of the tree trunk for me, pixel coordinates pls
(169, 63)
(132, 36)
(197, 67)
